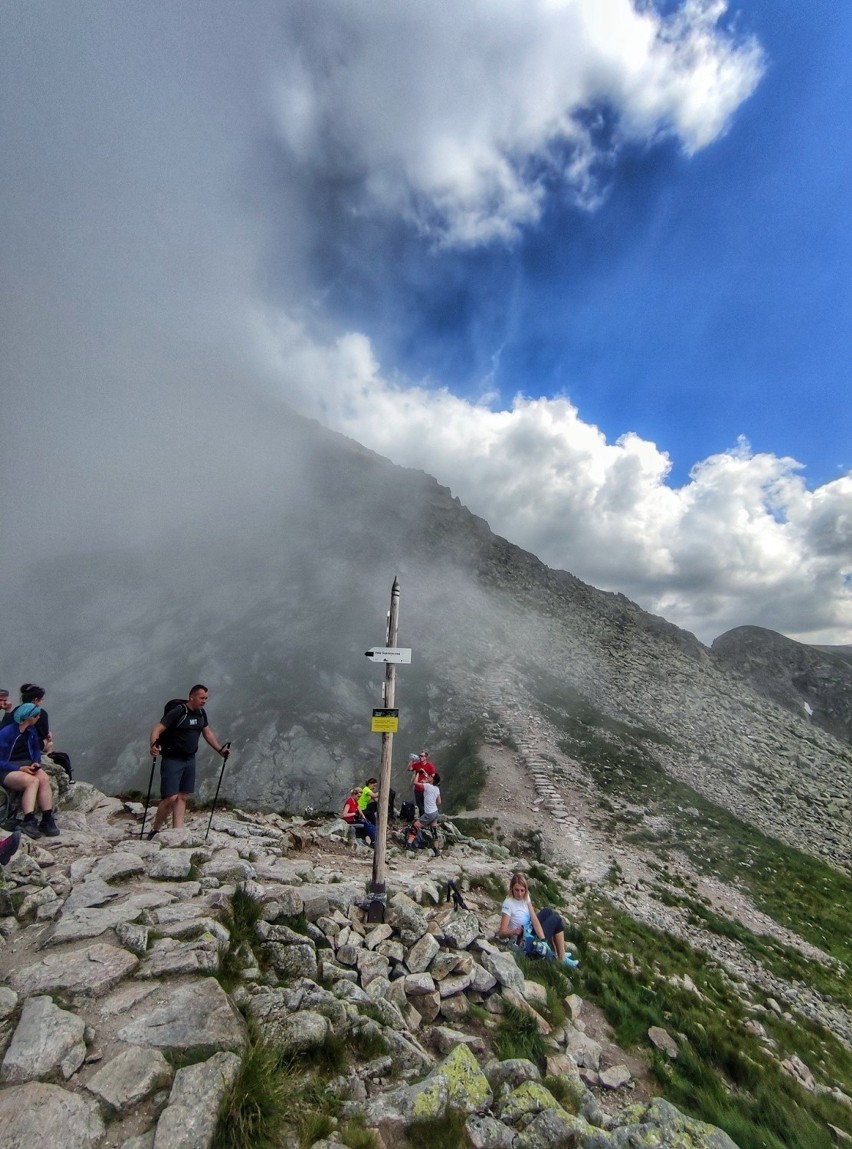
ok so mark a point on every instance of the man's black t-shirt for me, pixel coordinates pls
(183, 729)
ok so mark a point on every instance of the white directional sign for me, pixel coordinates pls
(389, 654)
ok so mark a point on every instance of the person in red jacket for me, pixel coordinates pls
(353, 815)
(423, 771)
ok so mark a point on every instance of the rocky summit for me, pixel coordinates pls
(230, 989)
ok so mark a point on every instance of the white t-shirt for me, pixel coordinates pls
(431, 794)
(518, 912)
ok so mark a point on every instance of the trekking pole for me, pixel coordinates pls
(148, 799)
(227, 749)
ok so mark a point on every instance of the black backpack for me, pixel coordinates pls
(62, 759)
(407, 811)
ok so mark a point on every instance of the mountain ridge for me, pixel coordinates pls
(275, 610)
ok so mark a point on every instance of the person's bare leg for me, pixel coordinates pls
(163, 811)
(179, 811)
(26, 785)
(45, 793)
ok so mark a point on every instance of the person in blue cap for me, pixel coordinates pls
(29, 779)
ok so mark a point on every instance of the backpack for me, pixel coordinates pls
(535, 947)
(407, 811)
(62, 759)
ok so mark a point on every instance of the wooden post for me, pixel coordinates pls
(378, 896)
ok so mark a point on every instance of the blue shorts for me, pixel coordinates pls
(551, 923)
(177, 776)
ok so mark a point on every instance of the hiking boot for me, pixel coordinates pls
(8, 847)
(29, 827)
(150, 835)
(571, 962)
(48, 825)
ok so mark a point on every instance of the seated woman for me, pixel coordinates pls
(517, 916)
(353, 816)
(29, 779)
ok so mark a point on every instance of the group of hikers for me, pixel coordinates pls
(360, 808)
(24, 736)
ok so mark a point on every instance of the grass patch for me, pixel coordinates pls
(797, 890)
(518, 1036)
(544, 891)
(489, 884)
(241, 918)
(554, 978)
(366, 1042)
(276, 1094)
(782, 960)
(723, 1074)
(356, 1135)
(447, 1132)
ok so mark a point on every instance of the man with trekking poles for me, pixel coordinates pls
(175, 739)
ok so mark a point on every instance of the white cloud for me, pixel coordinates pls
(743, 542)
(456, 115)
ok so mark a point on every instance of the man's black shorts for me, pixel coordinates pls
(177, 776)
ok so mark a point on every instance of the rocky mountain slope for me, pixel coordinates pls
(273, 604)
(227, 990)
(814, 680)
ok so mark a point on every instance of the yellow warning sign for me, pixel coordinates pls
(385, 720)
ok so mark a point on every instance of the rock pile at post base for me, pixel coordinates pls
(111, 950)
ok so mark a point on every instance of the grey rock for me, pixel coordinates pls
(512, 1072)
(504, 968)
(171, 864)
(48, 1042)
(92, 971)
(27, 1111)
(488, 1133)
(90, 923)
(170, 957)
(195, 1018)
(417, 984)
(663, 1041)
(112, 867)
(443, 964)
(133, 937)
(481, 981)
(584, 1050)
(8, 1002)
(292, 961)
(615, 1077)
(421, 954)
(661, 1124)
(461, 929)
(453, 985)
(93, 891)
(371, 965)
(302, 1031)
(552, 1127)
(407, 919)
(189, 1119)
(129, 1078)
(228, 866)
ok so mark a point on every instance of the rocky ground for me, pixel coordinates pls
(116, 1028)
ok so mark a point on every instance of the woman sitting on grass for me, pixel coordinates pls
(517, 917)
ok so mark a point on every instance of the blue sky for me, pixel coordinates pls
(587, 262)
(708, 297)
